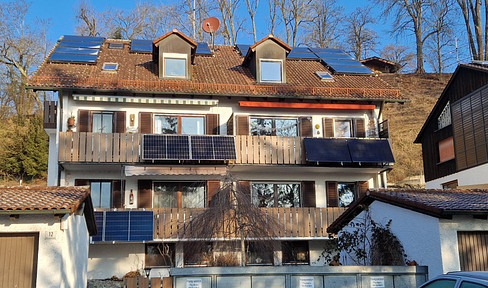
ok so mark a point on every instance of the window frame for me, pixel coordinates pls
(261, 70)
(101, 112)
(291, 252)
(353, 124)
(273, 125)
(351, 127)
(106, 69)
(355, 193)
(257, 252)
(172, 248)
(97, 206)
(179, 125)
(176, 56)
(179, 193)
(276, 194)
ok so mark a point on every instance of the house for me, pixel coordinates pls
(44, 236)
(454, 137)
(445, 230)
(154, 125)
(380, 65)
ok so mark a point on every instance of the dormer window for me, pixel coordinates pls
(175, 65)
(271, 70)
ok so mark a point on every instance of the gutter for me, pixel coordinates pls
(34, 212)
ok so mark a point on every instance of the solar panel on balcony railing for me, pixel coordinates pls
(141, 226)
(116, 226)
(99, 221)
(371, 151)
(326, 150)
(224, 148)
(178, 147)
(202, 148)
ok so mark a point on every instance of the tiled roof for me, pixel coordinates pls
(434, 202)
(24, 198)
(220, 74)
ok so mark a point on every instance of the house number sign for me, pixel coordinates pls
(377, 282)
(193, 283)
(306, 282)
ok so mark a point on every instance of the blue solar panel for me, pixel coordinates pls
(141, 48)
(351, 69)
(202, 148)
(224, 148)
(116, 225)
(79, 44)
(203, 49)
(100, 227)
(141, 42)
(326, 150)
(83, 38)
(329, 56)
(326, 50)
(243, 48)
(76, 50)
(343, 63)
(370, 151)
(73, 58)
(178, 147)
(154, 146)
(300, 49)
(300, 55)
(141, 226)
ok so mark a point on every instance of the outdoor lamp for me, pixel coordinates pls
(147, 271)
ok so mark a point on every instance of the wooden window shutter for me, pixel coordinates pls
(230, 125)
(242, 125)
(306, 129)
(212, 189)
(363, 187)
(332, 194)
(360, 128)
(82, 182)
(328, 124)
(145, 123)
(117, 194)
(84, 121)
(308, 194)
(213, 127)
(144, 194)
(119, 122)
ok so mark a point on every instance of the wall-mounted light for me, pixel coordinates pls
(132, 119)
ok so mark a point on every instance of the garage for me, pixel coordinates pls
(473, 250)
(18, 259)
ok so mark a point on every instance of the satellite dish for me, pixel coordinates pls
(211, 24)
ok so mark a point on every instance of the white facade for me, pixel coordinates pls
(428, 240)
(63, 247)
(468, 178)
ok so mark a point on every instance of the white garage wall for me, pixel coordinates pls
(107, 260)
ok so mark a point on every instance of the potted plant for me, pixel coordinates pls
(71, 121)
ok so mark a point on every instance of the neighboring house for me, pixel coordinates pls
(158, 123)
(44, 236)
(455, 135)
(445, 230)
(380, 65)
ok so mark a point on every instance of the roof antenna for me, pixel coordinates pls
(210, 25)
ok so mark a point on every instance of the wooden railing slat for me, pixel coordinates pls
(76, 142)
(82, 157)
(255, 148)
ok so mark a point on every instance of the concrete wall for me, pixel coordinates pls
(63, 247)
(468, 177)
(107, 260)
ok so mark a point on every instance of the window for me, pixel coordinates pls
(160, 254)
(466, 284)
(450, 185)
(441, 283)
(274, 127)
(115, 45)
(346, 193)
(445, 117)
(110, 66)
(179, 195)
(446, 149)
(258, 254)
(276, 195)
(271, 70)
(324, 76)
(174, 65)
(198, 253)
(102, 122)
(185, 125)
(343, 128)
(295, 252)
(101, 193)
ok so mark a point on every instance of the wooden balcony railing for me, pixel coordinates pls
(99, 147)
(50, 114)
(269, 150)
(171, 223)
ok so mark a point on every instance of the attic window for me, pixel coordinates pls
(271, 70)
(119, 46)
(324, 76)
(174, 65)
(445, 117)
(110, 66)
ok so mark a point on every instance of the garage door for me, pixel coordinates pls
(18, 259)
(473, 251)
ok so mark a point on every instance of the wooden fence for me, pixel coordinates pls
(143, 282)
(269, 150)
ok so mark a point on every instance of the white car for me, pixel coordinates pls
(468, 279)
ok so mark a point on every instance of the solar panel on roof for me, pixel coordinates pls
(299, 55)
(300, 49)
(83, 38)
(76, 50)
(326, 50)
(141, 48)
(73, 58)
(343, 63)
(351, 69)
(79, 44)
(141, 42)
(332, 56)
(203, 49)
(243, 48)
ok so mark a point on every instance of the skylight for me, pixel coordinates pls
(110, 66)
(324, 76)
(116, 46)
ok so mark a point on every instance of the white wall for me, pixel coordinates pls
(107, 260)
(471, 176)
(62, 257)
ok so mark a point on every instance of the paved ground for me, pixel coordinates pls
(104, 284)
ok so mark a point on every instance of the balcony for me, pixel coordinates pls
(170, 224)
(270, 150)
(50, 110)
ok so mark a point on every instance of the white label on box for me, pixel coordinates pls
(194, 283)
(377, 282)
(306, 282)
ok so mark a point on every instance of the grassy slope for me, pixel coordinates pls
(406, 120)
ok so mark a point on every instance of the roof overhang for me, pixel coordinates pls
(174, 170)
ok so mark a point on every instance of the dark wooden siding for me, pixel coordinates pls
(332, 194)
(473, 250)
(432, 168)
(306, 129)
(308, 194)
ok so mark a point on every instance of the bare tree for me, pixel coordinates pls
(273, 5)
(230, 21)
(294, 13)
(400, 56)
(87, 20)
(411, 15)
(232, 215)
(322, 30)
(471, 10)
(252, 7)
(441, 40)
(358, 35)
